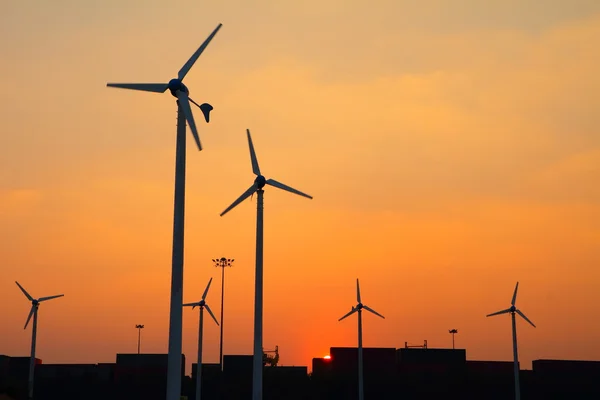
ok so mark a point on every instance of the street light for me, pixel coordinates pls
(139, 328)
(453, 332)
(222, 263)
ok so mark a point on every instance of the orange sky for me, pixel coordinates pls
(451, 148)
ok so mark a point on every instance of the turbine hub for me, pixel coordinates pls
(260, 181)
(175, 85)
(202, 303)
(35, 302)
(513, 309)
(359, 306)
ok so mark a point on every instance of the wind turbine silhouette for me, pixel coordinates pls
(35, 304)
(358, 308)
(202, 305)
(257, 186)
(512, 311)
(184, 112)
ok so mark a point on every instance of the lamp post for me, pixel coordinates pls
(139, 328)
(222, 263)
(453, 332)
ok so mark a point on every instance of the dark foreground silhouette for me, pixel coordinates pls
(406, 373)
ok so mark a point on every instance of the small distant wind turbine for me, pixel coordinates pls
(35, 304)
(358, 308)
(184, 112)
(257, 187)
(512, 310)
(202, 305)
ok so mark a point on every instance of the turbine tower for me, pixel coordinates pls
(35, 304)
(358, 308)
(512, 310)
(202, 305)
(184, 113)
(257, 186)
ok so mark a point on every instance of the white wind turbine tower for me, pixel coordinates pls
(35, 303)
(202, 305)
(358, 308)
(257, 186)
(184, 112)
(512, 310)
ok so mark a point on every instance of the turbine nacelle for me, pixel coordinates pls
(176, 85)
(201, 303)
(260, 182)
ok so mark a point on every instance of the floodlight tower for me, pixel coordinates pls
(453, 332)
(139, 328)
(222, 263)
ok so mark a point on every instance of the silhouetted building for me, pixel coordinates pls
(143, 376)
(211, 381)
(567, 379)
(69, 381)
(411, 373)
(14, 375)
(490, 379)
(379, 371)
(430, 373)
(288, 383)
(237, 376)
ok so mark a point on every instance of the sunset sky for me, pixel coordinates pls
(452, 148)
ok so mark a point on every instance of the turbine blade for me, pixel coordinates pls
(373, 311)
(357, 291)
(50, 297)
(29, 317)
(499, 312)
(243, 197)
(24, 291)
(145, 87)
(206, 290)
(191, 304)
(514, 299)
(190, 63)
(280, 185)
(211, 313)
(253, 159)
(184, 102)
(349, 314)
(525, 318)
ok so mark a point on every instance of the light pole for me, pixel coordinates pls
(453, 332)
(139, 328)
(222, 263)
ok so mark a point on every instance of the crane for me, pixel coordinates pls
(271, 360)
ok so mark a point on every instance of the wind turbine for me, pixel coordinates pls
(202, 305)
(512, 310)
(358, 308)
(259, 182)
(35, 304)
(184, 112)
